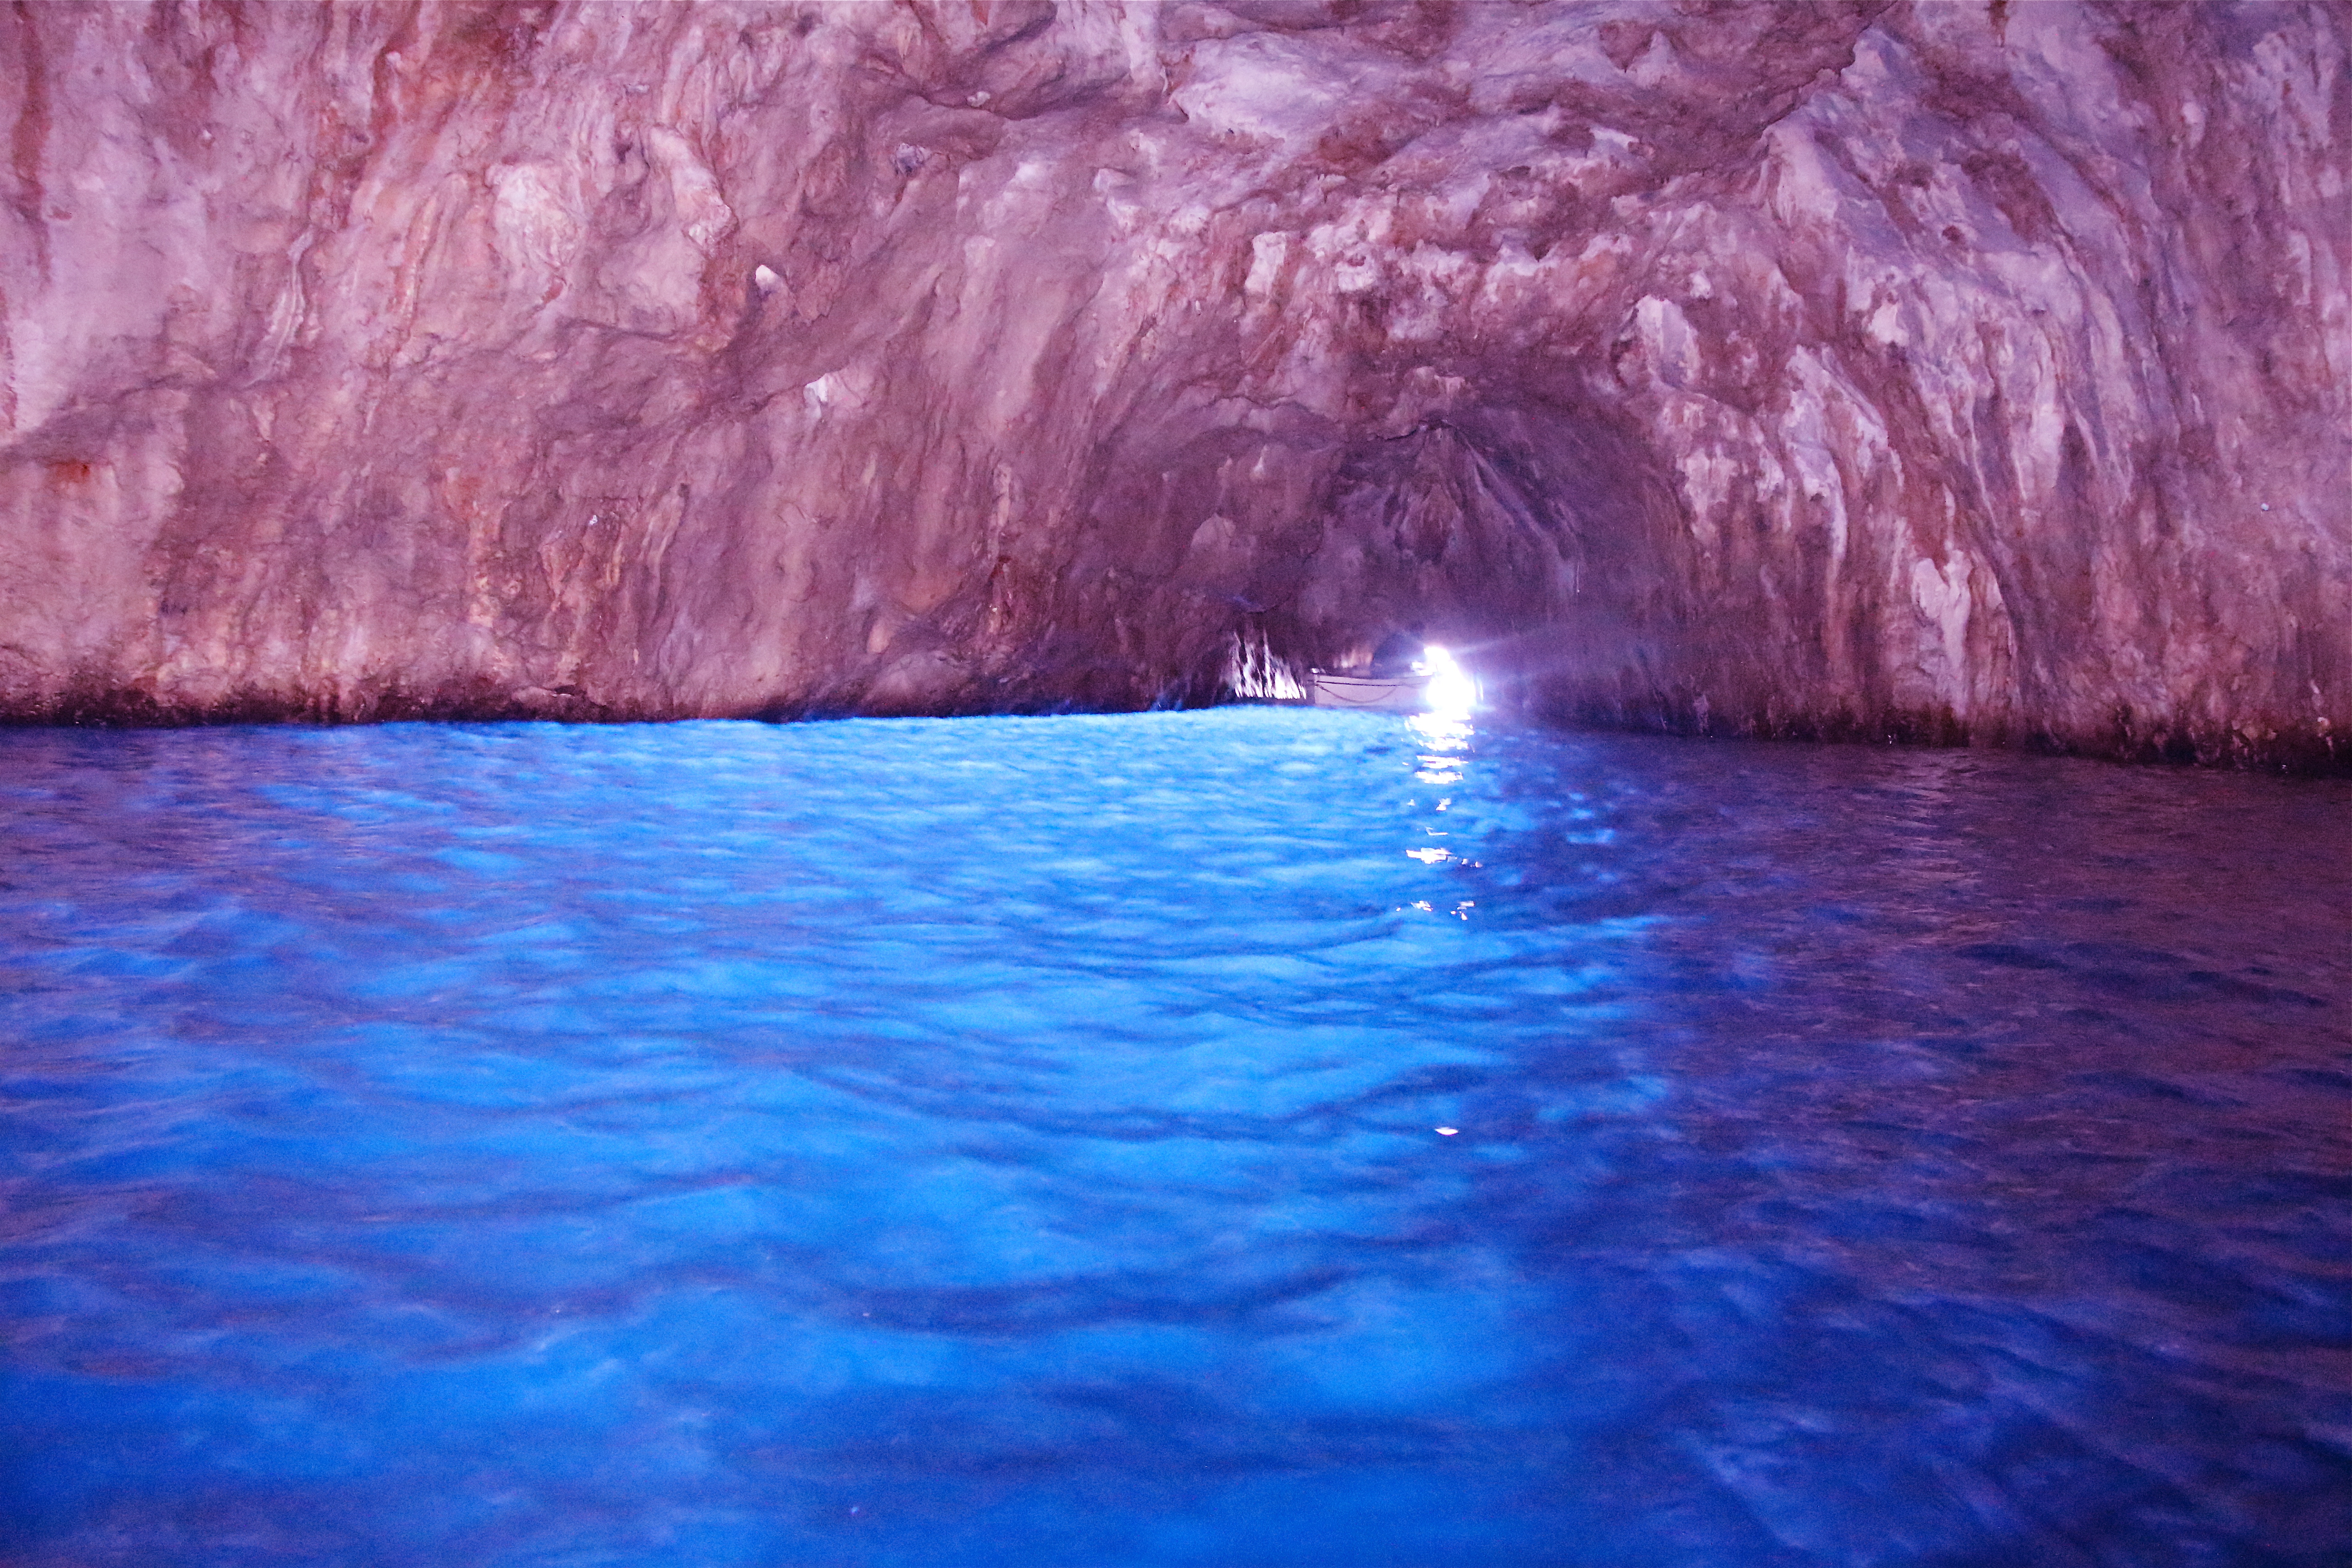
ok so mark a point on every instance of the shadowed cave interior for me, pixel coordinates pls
(1515, 537)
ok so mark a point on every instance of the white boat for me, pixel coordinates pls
(1386, 694)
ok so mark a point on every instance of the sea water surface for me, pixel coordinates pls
(1253, 1137)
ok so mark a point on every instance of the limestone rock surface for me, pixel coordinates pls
(1913, 369)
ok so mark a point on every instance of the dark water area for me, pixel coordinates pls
(1025, 1141)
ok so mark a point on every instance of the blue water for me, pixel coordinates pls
(1022, 1142)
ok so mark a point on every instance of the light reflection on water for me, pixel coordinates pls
(1251, 1137)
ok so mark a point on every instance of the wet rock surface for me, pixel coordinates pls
(1935, 370)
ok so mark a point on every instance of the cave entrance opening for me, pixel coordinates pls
(1482, 549)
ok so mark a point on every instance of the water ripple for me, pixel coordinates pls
(1257, 1137)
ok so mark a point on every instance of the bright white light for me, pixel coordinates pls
(1450, 688)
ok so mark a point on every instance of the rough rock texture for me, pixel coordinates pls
(1830, 366)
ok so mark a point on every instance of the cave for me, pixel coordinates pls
(1948, 373)
(676, 890)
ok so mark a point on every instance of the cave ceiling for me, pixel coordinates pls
(1836, 367)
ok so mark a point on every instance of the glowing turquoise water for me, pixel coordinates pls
(1022, 1142)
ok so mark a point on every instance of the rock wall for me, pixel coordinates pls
(1948, 371)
